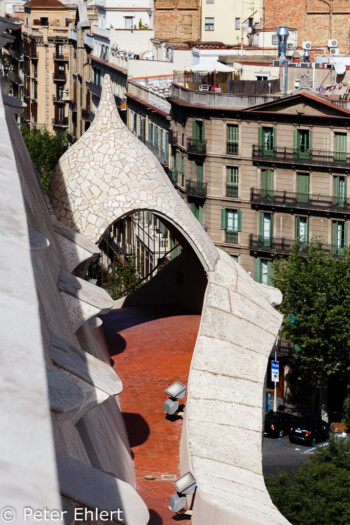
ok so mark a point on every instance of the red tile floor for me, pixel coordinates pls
(151, 347)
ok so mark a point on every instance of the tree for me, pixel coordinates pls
(319, 492)
(45, 149)
(316, 307)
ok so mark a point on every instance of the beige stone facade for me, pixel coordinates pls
(45, 66)
(289, 193)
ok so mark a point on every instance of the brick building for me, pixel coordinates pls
(316, 21)
(177, 19)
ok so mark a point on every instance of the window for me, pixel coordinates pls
(267, 185)
(231, 181)
(234, 257)
(181, 164)
(265, 229)
(155, 136)
(237, 23)
(135, 125)
(197, 210)
(142, 135)
(198, 130)
(209, 24)
(161, 139)
(267, 141)
(339, 184)
(44, 21)
(263, 271)
(302, 229)
(232, 139)
(250, 22)
(150, 132)
(339, 236)
(231, 221)
(129, 22)
(174, 171)
(340, 147)
(303, 187)
(302, 143)
(261, 76)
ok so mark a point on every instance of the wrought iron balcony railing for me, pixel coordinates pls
(62, 123)
(270, 244)
(196, 188)
(231, 191)
(295, 156)
(198, 147)
(302, 201)
(231, 237)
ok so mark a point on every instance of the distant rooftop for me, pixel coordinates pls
(51, 4)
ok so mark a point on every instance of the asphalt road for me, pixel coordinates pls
(280, 454)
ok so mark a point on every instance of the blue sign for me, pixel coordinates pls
(275, 371)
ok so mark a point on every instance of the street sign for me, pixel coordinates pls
(275, 371)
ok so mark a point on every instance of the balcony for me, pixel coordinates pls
(85, 114)
(60, 123)
(259, 243)
(231, 237)
(301, 201)
(72, 105)
(196, 188)
(58, 100)
(59, 76)
(95, 89)
(61, 57)
(89, 41)
(13, 77)
(232, 191)
(26, 93)
(172, 138)
(197, 147)
(101, 32)
(73, 35)
(15, 54)
(232, 148)
(291, 156)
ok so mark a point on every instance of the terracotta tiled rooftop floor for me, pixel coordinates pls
(151, 347)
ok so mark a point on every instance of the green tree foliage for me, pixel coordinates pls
(45, 149)
(319, 494)
(316, 306)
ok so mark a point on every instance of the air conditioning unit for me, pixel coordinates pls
(329, 66)
(290, 45)
(292, 64)
(276, 63)
(304, 64)
(332, 43)
(306, 45)
(318, 65)
(334, 51)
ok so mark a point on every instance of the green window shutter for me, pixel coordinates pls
(310, 140)
(274, 137)
(235, 258)
(261, 223)
(194, 209)
(223, 219)
(336, 188)
(150, 133)
(231, 176)
(195, 130)
(303, 187)
(239, 220)
(261, 138)
(269, 273)
(335, 233)
(267, 184)
(271, 225)
(345, 233)
(340, 146)
(166, 142)
(297, 227)
(200, 173)
(257, 270)
(200, 214)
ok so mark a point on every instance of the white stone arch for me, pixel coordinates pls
(109, 173)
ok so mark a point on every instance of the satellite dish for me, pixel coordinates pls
(340, 68)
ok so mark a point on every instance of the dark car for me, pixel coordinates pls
(308, 431)
(277, 424)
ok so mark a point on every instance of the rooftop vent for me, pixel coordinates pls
(282, 34)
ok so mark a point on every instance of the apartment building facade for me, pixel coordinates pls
(259, 178)
(177, 19)
(80, 49)
(45, 65)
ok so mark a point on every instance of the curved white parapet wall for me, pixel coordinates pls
(222, 432)
(109, 173)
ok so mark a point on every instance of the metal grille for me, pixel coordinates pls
(132, 251)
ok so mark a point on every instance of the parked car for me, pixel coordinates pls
(308, 431)
(277, 424)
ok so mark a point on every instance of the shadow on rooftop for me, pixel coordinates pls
(137, 428)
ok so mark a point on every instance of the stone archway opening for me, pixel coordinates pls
(143, 245)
